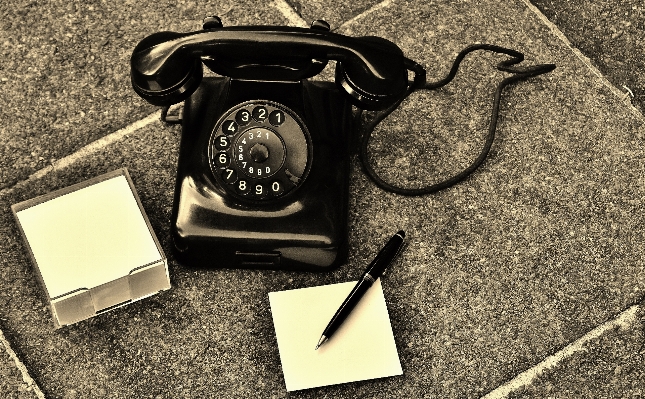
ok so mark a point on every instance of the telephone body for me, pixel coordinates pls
(235, 204)
(263, 170)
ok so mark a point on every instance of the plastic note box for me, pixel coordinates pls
(92, 247)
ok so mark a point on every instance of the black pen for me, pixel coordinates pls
(374, 271)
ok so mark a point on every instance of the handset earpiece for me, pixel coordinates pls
(369, 90)
(160, 80)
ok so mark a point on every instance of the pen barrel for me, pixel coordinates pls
(348, 305)
(385, 256)
(374, 271)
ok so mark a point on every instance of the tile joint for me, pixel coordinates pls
(623, 321)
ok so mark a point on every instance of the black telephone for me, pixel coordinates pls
(262, 179)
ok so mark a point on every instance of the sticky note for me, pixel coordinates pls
(362, 348)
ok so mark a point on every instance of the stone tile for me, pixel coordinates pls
(335, 13)
(65, 76)
(536, 248)
(12, 382)
(610, 366)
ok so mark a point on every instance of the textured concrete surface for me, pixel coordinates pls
(65, 70)
(537, 248)
(15, 380)
(609, 366)
(611, 34)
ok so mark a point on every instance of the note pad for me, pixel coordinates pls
(362, 348)
(92, 247)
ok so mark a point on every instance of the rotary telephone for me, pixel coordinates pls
(263, 170)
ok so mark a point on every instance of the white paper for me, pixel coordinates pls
(88, 237)
(362, 348)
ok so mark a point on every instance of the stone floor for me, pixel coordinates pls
(525, 280)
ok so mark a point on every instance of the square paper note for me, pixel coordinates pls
(362, 348)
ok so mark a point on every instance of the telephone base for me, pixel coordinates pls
(302, 229)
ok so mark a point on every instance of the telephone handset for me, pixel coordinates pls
(263, 169)
(167, 66)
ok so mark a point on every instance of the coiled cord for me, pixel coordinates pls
(419, 83)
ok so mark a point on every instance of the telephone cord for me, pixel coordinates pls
(419, 83)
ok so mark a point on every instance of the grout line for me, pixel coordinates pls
(623, 321)
(89, 149)
(296, 19)
(624, 97)
(370, 10)
(20, 365)
(289, 13)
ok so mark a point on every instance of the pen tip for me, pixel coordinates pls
(323, 339)
(401, 233)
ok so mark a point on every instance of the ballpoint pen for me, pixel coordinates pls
(384, 258)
